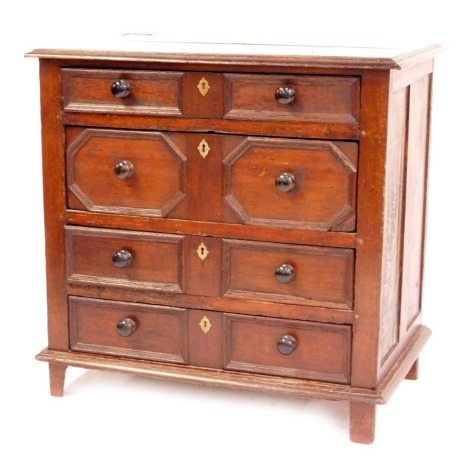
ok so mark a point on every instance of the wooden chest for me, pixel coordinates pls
(249, 218)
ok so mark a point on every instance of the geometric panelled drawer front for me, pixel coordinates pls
(302, 184)
(140, 173)
(237, 215)
(125, 258)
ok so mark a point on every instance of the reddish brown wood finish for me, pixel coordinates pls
(355, 138)
(156, 187)
(299, 388)
(323, 276)
(322, 352)
(160, 335)
(53, 167)
(57, 378)
(323, 197)
(156, 259)
(150, 92)
(317, 99)
(362, 422)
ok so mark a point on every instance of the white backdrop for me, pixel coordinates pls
(117, 421)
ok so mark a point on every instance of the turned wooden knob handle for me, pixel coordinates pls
(285, 182)
(122, 259)
(124, 169)
(287, 344)
(285, 94)
(120, 89)
(126, 327)
(285, 273)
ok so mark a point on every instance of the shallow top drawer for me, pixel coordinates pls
(122, 91)
(321, 99)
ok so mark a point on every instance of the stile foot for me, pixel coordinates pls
(362, 422)
(57, 379)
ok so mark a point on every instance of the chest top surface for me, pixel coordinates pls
(145, 47)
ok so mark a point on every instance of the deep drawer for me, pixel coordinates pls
(125, 172)
(288, 348)
(293, 274)
(291, 183)
(125, 258)
(128, 329)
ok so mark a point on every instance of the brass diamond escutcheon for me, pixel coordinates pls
(203, 86)
(205, 324)
(203, 148)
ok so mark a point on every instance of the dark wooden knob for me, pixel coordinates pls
(122, 259)
(287, 344)
(120, 89)
(285, 182)
(284, 273)
(126, 327)
(124, 169)
(285, 94)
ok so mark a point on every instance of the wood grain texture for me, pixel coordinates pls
(157, 259)
(362, 422)
(206, 349)
(324, 196)
(247, 381)
(225, 126)
(341, 57)
(347, 228)
(407, 316)
(393, 230)
(57, 378)
(161, 332)
(195, 104)
(322, 352)
(416, 182)
(317, 99)
(323, 276)
(124, 222)
(159, 182)
(370, 227)
(257, 307)
(53, 167)
(152, 93)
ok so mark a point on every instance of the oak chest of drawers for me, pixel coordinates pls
(250, 219)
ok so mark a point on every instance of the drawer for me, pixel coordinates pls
(122, 91)
(301, 349)
(320, 99)
(128, 329)
(124, 258)
(291, 183)
(126, 172)
(293, 274)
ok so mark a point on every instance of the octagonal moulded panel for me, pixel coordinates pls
(155, 185)
(322, 195)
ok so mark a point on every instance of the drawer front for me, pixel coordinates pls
(320, 99)
(293, 274)
(128, 330)
(130, 172)
(124, 258)
(288, 348)
(293, 183)
(101, 91)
